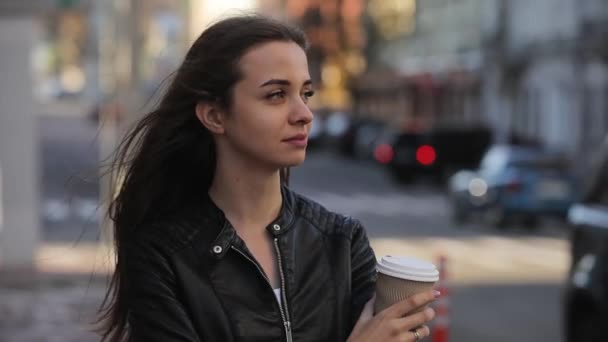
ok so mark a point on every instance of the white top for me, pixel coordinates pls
(405, 267)
(277, 293)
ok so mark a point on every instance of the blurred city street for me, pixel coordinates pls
(499, 282)
(469, 132)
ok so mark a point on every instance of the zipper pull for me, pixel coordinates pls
(288, 331)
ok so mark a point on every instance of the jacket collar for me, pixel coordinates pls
(227, 235)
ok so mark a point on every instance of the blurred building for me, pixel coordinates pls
(89, 50)
(203, 12)
(534, 71)
(19, 160)
(338, 39)
(426, 64)
(62, 52)
(553, 71)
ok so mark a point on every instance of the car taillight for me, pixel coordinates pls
(384, 153)
(426, 155)
(513, 186)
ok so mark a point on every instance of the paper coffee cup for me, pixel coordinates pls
(400, 277)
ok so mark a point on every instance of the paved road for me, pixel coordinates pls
(505, 286)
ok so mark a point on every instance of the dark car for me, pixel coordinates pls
(435, 153)
(358, 140)
(525, 182)
(586, 294)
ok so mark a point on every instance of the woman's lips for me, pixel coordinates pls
(298, 140)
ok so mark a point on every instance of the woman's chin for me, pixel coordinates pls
(294, 160)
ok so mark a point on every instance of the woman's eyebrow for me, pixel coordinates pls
(275, 81)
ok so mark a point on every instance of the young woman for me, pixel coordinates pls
(211, 243)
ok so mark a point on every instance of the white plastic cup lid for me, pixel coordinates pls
(409, 268)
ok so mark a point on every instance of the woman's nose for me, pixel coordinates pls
(301, 114)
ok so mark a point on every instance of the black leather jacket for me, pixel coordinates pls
(193, 279)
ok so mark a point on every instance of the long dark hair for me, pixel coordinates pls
(167, 160)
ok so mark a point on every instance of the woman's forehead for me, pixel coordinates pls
(275, 60)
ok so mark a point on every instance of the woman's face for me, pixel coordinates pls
(269, 119)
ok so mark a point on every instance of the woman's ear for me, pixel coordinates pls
(210, 116)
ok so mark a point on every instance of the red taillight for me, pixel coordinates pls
(384, 153)
(514, 186)
(426, 155)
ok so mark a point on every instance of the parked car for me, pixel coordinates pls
(437, 153)
(335, 126)
(586, 291)
(328, 129)
(317, 132)
(360, 137)
(524, 182)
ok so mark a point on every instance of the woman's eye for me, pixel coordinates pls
(276, 95)
(308, 95)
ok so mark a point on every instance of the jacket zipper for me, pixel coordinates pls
(287, 321)
(284, 318)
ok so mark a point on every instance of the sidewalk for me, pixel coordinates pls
(50, 310)
(58, 304)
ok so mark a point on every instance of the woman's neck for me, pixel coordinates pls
(250, 197)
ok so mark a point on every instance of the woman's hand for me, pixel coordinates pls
(395, 323)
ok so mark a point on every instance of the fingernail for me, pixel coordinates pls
(436, 294)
